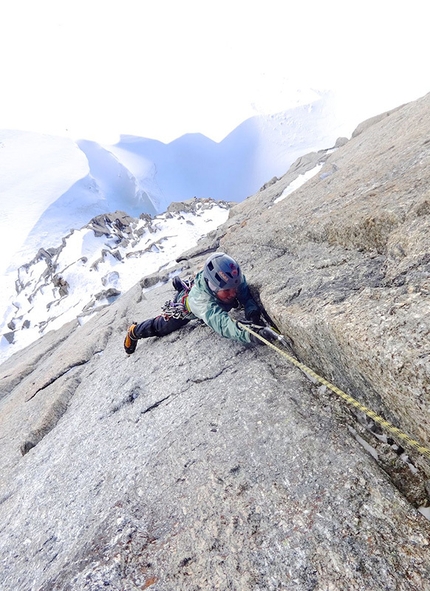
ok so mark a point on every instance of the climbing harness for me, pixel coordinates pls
(397, 433)
(178, 306)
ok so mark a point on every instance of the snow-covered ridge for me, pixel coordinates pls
(97, 263)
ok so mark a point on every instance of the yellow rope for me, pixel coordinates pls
(425, 451)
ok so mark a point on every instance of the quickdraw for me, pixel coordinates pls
(177, 308)
(173, 309)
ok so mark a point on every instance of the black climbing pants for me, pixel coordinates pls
(159, 326)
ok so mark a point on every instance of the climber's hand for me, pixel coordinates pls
(255, 318)
(264, 332)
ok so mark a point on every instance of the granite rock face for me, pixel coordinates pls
(343, 265)
(201, 463)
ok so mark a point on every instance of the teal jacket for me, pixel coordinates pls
(206, 306)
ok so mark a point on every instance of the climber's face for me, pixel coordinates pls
(226, 295)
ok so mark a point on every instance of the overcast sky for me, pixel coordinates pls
(96, 68)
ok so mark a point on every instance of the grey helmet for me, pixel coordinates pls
(222, 272)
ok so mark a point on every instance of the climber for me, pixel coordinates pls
(216, 290)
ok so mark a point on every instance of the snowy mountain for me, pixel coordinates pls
(97, 263)
(257, 150)
(49, 185)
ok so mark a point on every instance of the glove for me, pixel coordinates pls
(264, 332)
(255, 318)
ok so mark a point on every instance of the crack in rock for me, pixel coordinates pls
(207, 378)
(129, 399)
(57, 377)
(53, 414)
(154, 405)
(69, 360)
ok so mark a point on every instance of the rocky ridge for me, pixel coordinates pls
(200, 463)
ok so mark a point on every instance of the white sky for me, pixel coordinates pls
(160, 68)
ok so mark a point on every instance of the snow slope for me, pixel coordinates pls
(34, 171)
(257, 150)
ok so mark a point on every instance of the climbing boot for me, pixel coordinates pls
(177, 283)
(182, 284)
(130, 341)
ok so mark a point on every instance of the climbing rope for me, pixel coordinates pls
(386, 425)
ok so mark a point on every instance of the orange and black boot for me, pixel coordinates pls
(130, 341)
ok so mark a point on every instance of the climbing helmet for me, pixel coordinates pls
(222, 272)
